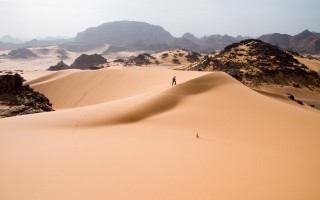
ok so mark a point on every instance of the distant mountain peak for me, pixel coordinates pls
(305, 33)
(188, 35)
(10, 39)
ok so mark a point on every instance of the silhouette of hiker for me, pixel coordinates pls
(174, 81)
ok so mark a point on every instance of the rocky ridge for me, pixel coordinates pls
(304, 42)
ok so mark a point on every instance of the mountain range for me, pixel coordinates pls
(304, 42)
(132, 36)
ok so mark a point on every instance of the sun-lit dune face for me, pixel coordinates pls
(130, 134)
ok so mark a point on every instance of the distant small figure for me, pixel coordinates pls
(174, 81)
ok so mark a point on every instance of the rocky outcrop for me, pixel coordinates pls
(88, 61)
(193, 57)
(59, 66)
(22, 53)
(19, 99)
(254, 63)
(140, 60)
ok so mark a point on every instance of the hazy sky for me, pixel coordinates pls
(39, 18)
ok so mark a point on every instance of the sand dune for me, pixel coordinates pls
(134, 137)
(69, 89)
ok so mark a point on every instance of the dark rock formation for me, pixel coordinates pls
(19, 99)
(176, 61)
(164, 55)
(290, 96)
(22, 53)
(254, 63)
(88, 61)
(9, 83)
(193, 57)
(59, 66)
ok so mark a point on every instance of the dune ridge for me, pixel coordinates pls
(71, 89)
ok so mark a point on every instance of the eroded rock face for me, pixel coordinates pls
(254, 63)
(19, 99)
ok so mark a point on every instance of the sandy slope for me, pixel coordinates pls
(143, 146)
(310, 63)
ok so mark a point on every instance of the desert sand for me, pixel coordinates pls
(310, 63)
(47, 57)
(128, 134)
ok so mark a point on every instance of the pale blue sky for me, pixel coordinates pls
(40, 18)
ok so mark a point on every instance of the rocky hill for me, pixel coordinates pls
(88, 61)
(304, 42)
(254, 63)
(59, 66)
(19, 99)
(22, 53)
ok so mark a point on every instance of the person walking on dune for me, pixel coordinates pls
(174, 81)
